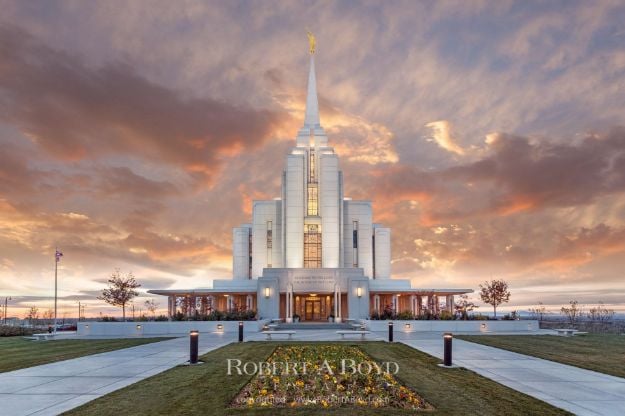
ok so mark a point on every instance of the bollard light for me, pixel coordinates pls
(194, 337)
(447, 346)
(240, 331)
(390, 332)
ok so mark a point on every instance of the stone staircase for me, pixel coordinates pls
(302, 326)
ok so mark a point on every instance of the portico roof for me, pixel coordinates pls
(201, 292)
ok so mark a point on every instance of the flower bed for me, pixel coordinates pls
(326, 376)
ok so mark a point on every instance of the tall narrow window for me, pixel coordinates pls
(249, 250)
(312, 246)
(373, 250)
(355, 243)
(312, 169)
(313, 190)
(313, 200)
(269, 243)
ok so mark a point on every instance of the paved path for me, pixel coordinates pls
(580, 391)
(54, 388)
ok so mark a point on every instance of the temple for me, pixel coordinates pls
(312, 254)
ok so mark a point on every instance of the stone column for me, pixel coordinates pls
(248, 303)
(336, 303)
(413, 304)
(289, 303)
(394, 303)
(449, 302)
(376, 303)
(419, 304)
(170, 301)
(192, 305)
(340, 315)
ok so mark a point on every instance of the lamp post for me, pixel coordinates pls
(6, 301)
(240, 331)
(390, 332)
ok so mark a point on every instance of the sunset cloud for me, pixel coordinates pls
(442, 135)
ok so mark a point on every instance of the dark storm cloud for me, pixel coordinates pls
(517, 174)
(122, 180)
(75, 111)
(547, 173)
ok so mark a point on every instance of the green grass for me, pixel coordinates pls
(17, 352)
(208, 390)
(604, 353)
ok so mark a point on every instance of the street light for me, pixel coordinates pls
(6, 300)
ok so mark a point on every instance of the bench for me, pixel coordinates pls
(353, 332)
(270, 333)
(42, 337)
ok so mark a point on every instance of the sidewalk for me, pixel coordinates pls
(579, 391)
(54, 388)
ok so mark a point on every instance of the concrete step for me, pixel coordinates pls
(302, 326)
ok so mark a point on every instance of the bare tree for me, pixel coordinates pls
(33, 315)
(495, 293)
(121, 290)
(48, 316)
(463, 306)
(539, 312)
(600, 313)
(573, 313)
(151, 306)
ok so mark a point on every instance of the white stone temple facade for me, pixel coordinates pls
(311, 253)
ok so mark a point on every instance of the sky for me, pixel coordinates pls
(489, 135)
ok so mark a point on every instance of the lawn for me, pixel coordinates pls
(17, 352)
(604, 353)
(207, 389)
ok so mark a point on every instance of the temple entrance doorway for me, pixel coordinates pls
(312, 309)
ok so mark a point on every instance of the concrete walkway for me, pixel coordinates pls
(52, 389)
(579, 391)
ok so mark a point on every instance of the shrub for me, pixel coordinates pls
(108, 319)
(161, 318)
(14, 331)
(445, 315)
(405, 316)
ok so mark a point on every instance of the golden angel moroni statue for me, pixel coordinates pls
(311, 41)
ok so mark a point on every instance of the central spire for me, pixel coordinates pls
(311, 132)
(312, 105)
